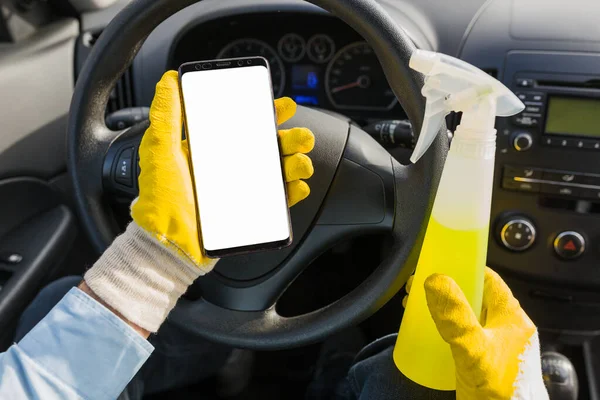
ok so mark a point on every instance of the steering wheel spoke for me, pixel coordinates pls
(120, 168)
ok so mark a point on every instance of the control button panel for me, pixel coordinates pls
(123, 171)
(562, 183)
(532, 115)
(569, 245)
(518, 234)
(570, 143)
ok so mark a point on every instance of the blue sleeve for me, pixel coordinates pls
(80, 350)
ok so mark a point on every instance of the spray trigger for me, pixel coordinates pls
(454, 85)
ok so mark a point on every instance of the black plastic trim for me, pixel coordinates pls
(43, 242)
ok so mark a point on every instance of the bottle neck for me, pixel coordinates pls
(475, 137)
(475, 144)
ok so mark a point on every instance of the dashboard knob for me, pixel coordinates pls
(522, 141)
(518, 233)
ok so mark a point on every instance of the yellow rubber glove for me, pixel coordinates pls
(165, 207)
(497, 359)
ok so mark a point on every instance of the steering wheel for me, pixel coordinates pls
(357, 188)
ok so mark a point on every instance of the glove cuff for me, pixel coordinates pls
(141, 278)
(529, 384)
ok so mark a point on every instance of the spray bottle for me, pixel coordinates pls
(456, 239)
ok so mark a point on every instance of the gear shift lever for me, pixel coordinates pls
(559, 376)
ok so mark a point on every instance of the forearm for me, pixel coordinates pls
(86, 289)
(140, 278)
(94, 341)
(79, 350)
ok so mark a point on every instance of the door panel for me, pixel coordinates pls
(36, 84)
(36, 223)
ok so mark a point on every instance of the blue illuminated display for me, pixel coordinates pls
(311, 100)
(312, 81)
(306, 77)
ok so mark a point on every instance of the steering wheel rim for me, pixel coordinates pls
(89, 141)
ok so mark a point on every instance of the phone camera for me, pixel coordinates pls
(249, 62)
(198, 67)
(240, 63)
(206, 66)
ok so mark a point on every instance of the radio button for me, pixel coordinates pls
(522, 172)
(565, 177)
(591, 144)
(592, 194)
(591, 180)
(525, 83)
(537, 97)
(511, 184)
(530, 122)
(533, 109)
(563, 142)
(527, 97)
(560, 190)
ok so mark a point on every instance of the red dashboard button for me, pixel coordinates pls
(569, 245)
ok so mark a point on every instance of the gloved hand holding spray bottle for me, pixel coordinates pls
(456, 240)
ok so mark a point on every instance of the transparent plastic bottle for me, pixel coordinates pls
(456, 240)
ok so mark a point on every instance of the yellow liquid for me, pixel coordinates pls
(420, 353)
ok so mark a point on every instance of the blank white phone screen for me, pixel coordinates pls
(235, 157)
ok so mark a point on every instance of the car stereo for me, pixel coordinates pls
(546, 201)
(566, 118)
(562, 112)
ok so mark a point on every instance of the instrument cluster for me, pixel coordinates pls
(315, 59)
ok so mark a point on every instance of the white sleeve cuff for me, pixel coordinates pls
(141, 278)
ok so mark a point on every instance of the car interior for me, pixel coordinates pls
(77, 78)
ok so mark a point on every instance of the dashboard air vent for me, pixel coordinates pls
(122, 95)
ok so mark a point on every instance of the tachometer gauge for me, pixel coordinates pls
(291, 47)
(355, 80)
(254, 47)
(320, 48)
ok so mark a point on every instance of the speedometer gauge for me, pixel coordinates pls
(253, 47)
(355, 80)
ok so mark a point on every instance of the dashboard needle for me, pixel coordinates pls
(362, 82)
(344, 87)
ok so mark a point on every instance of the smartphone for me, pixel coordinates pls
(234, 156)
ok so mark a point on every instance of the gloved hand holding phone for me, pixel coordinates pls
(497, 358)
(151, 265)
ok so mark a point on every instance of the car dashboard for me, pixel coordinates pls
(319, 61)
(545, 216)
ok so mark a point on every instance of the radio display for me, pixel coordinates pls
(573, 116)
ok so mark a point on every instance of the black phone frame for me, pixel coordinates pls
(230, 63)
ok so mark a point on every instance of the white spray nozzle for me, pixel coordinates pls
(454, 85)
